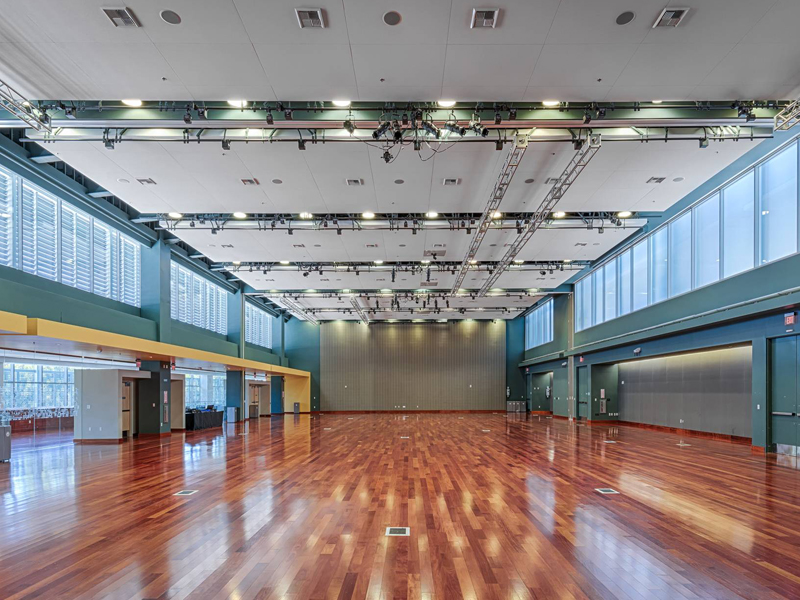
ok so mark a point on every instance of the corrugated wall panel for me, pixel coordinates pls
(417, 366)
(702, 391)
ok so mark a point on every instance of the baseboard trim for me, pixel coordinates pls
(600, 422)
(758, 450)
(405, 412)
(154, 435)
(722, 437)
(540, 412)
(99, 442)
(178, 429)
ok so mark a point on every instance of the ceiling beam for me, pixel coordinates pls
(575, 167)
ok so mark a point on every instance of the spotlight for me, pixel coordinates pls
(512, 114)
(479, 129)
(187, 118)
(601, 113)
(417, 145)
(290, 231)
(398, 135)
(226, 144)
(497, 118)
(577, 144)
(704, 142)
(601, 229)
(305, 273)
(454, 127)
(387, 156)
(338, 232)
(431, 129)
(301, 144)
(349, 126)
(587, 117)
(287, 114)
(498, 145)
(109, 144)
(382, 128)
(270, 118)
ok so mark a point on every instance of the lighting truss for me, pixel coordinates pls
(510, 165)
(788, 117)
(297, 310)
(360, 311)
(16, 104)
(567, 178)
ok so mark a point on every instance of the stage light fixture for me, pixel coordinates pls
(454, 127)
(349, 126)
(226, 144)
(431, 129)
(498, 145)
(301, 144)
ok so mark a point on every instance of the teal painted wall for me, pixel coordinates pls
(38, 298)
(260, 354)
(515, 352)
(302, 341)
(202, 339)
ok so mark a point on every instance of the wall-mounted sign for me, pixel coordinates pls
(790, 319)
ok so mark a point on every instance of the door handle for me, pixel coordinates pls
(783, 414)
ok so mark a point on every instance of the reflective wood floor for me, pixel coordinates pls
(298, 506)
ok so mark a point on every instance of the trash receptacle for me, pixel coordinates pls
(297, 408)
(232, 414)
(253, 414)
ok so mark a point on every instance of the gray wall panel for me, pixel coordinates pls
(419, 366)
(709, 390)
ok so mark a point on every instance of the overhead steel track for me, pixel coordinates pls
(359, 311)
(507, 171)
(788, 117)
(294, 308)
(24, 111)
(575, 167)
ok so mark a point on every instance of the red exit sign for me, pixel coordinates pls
(789, 319)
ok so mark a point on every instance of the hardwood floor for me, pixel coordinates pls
(297, 509)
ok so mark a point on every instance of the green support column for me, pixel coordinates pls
(234, 392)
(156, 263)
(276, 395)
(760, 410)
(154, 398)
(236, 320)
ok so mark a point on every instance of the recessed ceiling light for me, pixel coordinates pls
(237, 103)
(497, 214)
(399, 181)
(239, 215)
(551, 102)
(306, 215)
(175, 215)
(473, 262)
(132, 102)
(285, 262)
(392, 18)
(657, 101)
(171, 17)
(432, 214)
(624, 214)
(529, 180)
(425, 262)
(519, 262)
(237, 262)
(341, 103)
(123, 180)
(277, 181)
(446, 103)
(378, 262)
(559, 215)
(368, 215)
(678, 179)
(626, 17)
(567, 260)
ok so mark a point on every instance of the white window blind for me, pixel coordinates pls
(46, 236)
(539, 325)
(197, 301)
(257, 326)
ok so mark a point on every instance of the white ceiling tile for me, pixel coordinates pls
(566, 93)
(220, 64)
(423, 21)
(490, 64)
(29, 69)
(520, 22)
(399, 66)
(306, 71)
(668, 64)
(778, 25)
(232, 91)
(215, 22)
(583, 65)
(476, 93)
(391, 93)
(594, 22)
(743, 89)
(784, 61)
(623, 93)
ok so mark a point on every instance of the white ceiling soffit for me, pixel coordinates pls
(541, 49)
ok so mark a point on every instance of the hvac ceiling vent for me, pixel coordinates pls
(122, 17)
(671, 17)
(483, 18)
(551, 181)
(298, 245)
(355, 182)
(310, 18)
(451, 181)
(580, 244)
(370, 245)
(227, 245)
(324, 279)
(440, 245)
(437, 253)
(146, 181)
(250, 182)
(425, 284)
(656, 180)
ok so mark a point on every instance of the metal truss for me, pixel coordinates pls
(393, 267)
(297, 310)
(788, 117)
(359, 311)
(21, 108)
(507, 172)
(567, 178)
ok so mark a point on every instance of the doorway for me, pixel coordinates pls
(582, 374)
(540, 392)
(783, 389)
